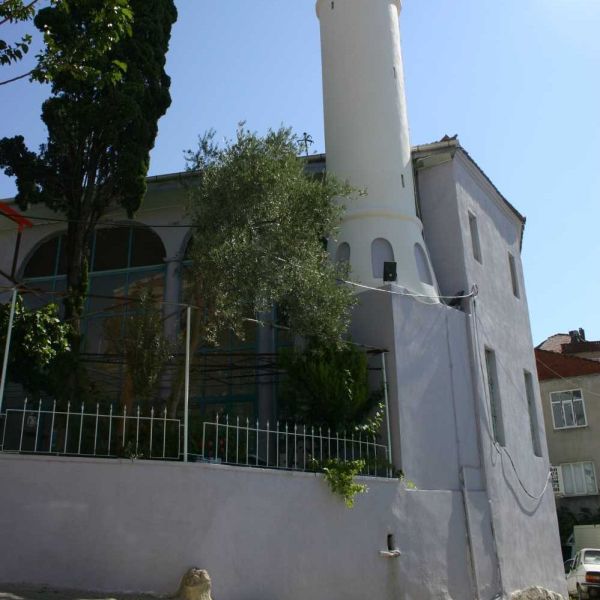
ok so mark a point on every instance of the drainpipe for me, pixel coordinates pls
(478, 397)
(11, 318)
(387, 407)
(461, 472)
(188, 329)
(465, 500)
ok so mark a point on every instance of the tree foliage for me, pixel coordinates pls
(140, 337)
(78, 37)
(81, 41)
(259, 224)
(328, 386)
(39, 352)
(14, 11)
(340, 477)
(100, 132)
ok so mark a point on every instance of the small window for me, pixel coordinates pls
(381, 252)
(579, 479)
(494, 393)
(568, 409)
(423, 265)
(513, 275)
(343, 253)
(475, 237)
(533, 417)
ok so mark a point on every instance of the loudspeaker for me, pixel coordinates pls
(390, 271)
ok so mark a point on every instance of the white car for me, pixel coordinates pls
(583, 579)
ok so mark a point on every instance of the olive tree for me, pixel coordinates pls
(260, 227)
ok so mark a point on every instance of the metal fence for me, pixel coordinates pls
(102, 433)
(75, 432)
(284, 446)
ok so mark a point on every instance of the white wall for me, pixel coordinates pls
(524, 525)
(122, 525)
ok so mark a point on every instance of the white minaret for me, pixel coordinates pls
(367, 142)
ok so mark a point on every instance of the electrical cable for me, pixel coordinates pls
(471, 294)
(499, 448)
(569, 381)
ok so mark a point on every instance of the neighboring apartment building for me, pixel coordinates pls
(569, 374)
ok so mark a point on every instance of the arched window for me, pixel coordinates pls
(48, 259)
(122, 247)
(423, 265)
(123, 261)
(381, 252)
(343, 253)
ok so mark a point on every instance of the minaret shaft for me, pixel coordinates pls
(367, 139)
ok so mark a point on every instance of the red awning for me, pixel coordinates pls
(16, 217)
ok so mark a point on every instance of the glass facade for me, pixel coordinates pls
(225, 379)
(124, 261)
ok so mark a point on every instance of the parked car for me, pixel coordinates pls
(583, 579)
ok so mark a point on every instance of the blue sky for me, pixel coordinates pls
(518, 80)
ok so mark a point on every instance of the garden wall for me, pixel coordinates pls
(263, 535)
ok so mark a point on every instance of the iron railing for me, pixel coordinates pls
(106, 433)
(75, 432)
(284, 446)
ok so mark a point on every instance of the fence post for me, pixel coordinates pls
(186, 402)
(11, 318)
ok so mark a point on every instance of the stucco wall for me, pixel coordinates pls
(525, 528)
(119, 525)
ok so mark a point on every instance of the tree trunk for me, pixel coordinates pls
(77, 255)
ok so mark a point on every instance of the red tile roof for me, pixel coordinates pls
(554, 365)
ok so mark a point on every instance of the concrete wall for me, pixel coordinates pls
(122, 525)
(575, 444)
(441, 440)
(522, 508)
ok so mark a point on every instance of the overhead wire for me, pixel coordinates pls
(500, 448)
(569, 381)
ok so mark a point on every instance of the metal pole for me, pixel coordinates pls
(11, 318)
(13, 269)
(188, 330)
(387, 408)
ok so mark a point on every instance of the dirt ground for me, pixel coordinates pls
(21, 593)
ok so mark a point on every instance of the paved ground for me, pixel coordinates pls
(20, 593)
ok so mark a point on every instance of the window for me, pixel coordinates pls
(423, 265)
(533, 418)
(568, 409)
(513, 275)
(494, 393)
(343, 253)
(124, 260)
(381, 252)
(579, 479)
(475, 237)
(592, 556)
